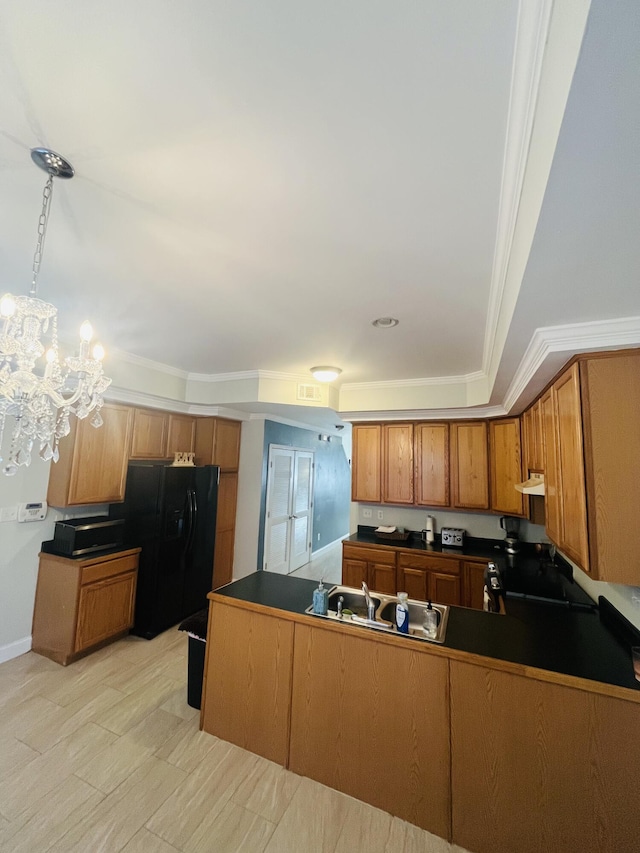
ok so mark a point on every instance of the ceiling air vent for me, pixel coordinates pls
(311, 393)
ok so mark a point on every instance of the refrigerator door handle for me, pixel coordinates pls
(192, 509)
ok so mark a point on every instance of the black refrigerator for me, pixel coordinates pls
(170, 512)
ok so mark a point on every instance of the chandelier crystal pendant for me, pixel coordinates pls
(37, 391)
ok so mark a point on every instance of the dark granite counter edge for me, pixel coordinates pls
(548, 637)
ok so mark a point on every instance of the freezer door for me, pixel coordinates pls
(198, 579)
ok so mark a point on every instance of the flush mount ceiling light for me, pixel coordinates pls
(40, 394)
(325, 373)
(385, 322)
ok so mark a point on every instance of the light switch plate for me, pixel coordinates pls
(9, 513)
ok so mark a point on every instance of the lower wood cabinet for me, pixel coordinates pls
(83, 604)
(473, 584)
(428, 577)
(375, 566)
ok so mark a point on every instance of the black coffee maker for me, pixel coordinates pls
(511, 526)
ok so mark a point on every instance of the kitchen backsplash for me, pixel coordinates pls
(479, 525)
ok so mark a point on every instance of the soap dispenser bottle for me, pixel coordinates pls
(402, 613)
(430, 625)
(321, 600)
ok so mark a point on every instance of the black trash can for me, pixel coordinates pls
(196, 627)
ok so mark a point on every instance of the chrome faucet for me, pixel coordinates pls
(371, 607)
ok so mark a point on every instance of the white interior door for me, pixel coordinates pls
(289, 508)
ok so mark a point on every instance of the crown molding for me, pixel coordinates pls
(570, 339)
(466, 414)
(534, 20)
(387, 384)
(167, 404)
(148, 364)
(250, 374)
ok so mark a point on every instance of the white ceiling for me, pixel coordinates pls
(257, 181)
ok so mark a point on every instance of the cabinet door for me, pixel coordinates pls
(354, 572)
(149, 439)
(444, 588)
(550, 462)
(225, 529)
(573, 515)
(397, 469)
(470, 465)
(415, 582)
(226, 447)
(532, 438)
(473, 585)
(105, 609)
(366, 465)
(93, 462)
(431, 442)
(382, 578)
(181, 435)
(506, 466)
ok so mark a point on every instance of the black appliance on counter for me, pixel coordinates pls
(170, 512)
(77, 537)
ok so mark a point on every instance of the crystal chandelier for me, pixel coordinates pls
(39, 394)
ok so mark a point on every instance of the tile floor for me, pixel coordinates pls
(106, 755)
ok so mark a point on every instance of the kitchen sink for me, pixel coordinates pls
(354, 612)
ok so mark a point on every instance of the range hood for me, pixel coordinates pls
(533, 486)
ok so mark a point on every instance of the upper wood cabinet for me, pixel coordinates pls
(93, 462)
(532, 438)
(149, 439)
(573, 497)
(397, 463)
(550, 464)
(366, 469)
(181, 434)
(505, 466)
(469, 465)
(217, 442)
(431, 458)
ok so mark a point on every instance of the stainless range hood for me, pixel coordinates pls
(533, 486)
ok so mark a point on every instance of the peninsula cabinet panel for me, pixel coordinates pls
(247, 694)
(181, 434)
(397, 463)
(374, 724)
(506, 466)
(366, 470)
(93, 462)
(537, 766)
(225, 529)
(470, 465)
(431, 442)
(149, 439)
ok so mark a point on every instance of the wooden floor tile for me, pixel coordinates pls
(114, 764)
(187, 746)
(233, 830)
(313, 822)
(156, 729)
(146, 842)
(134, 707)
(267, 790)
(119, 816)
(45, 773)
(14, 754)
(364, 828)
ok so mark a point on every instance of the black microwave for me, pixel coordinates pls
(78, 536)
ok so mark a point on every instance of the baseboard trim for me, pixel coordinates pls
(320, 551)
(14, 650)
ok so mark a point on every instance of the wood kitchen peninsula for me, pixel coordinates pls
(516, 734)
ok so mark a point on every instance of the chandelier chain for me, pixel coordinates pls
(47, 193)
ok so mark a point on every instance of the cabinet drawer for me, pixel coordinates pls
(369, 555)
(108, 569)
(426, 562)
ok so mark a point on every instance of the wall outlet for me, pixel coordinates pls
(366, 513)
(380, 515)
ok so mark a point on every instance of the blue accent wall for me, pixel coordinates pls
(332, 482)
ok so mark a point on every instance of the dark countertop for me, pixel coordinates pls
(553, 637)
(523, 574)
